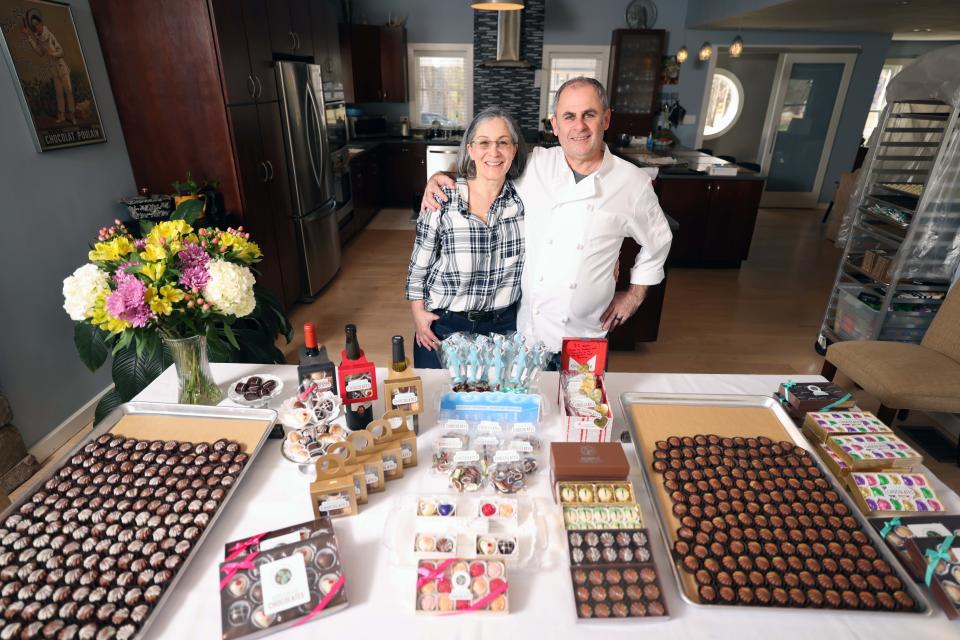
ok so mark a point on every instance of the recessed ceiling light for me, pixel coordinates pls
(902, 3)
(925, 29)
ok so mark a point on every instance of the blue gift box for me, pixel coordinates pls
(475, 406)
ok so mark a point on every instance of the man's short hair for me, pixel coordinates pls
(596, 84)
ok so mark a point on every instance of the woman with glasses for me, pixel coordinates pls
(464, 272)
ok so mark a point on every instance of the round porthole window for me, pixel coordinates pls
(725, 105)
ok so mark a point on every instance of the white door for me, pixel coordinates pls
(800, 126)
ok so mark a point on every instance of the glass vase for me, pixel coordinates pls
(195, 381)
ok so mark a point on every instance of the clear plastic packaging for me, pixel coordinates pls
(466, 474)
(505, 363)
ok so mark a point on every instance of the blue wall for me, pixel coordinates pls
(53, 204)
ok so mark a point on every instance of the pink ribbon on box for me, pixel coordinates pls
(323, 603)
(428, 575)
(482, 602)
(240, 547)
(232, 568)
(303, 395)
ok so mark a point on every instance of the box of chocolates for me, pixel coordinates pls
(755, 522)
(333, 493)
(597, 461)
(372, 461)
(389, 449)
(458, 585)
(265, 591)
(492, 545)
(940, 558)
(618, 591)
(820, 425)
(432, 544)
(833, 461)
(436, 507)
(801, 398)
(571, 493)
(874, 452)
(497, 509)
(608, 546)
(897, 531)
(602, 517)
(279, 537)
(889, 493)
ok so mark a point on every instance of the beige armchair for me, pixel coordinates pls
(924, 376)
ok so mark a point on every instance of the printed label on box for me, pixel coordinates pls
(389, 464)
(466, 456)
(930, 530)
(284, 584)
(456, 425)
(358, 384)
(333, 504)
(524, 428)
(450, 443)
(506, 455)
(408, 397)
(489, 427)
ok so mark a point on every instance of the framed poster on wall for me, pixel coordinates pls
(43, 51)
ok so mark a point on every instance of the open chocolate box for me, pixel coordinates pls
(589, 547)
(945, 575)
(896, 532)
(573, 493)
(279, 537)
(265, 591)
(626, 516)
(462, 585)
(618, 591)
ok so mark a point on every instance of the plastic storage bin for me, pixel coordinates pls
(854, 319)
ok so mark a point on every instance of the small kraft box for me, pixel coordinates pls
(268, 590)
(333, 493)
(352, 467)
(801, 398)
(403, 392)
(404, 436)
(362, 442)
(822, 424)
(874, 452)
(576, 461)
(584, 407)
(388, 448)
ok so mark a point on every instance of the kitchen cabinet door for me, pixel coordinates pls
(302, 27)
(256, 20)
(404, 173)
(360, 57)
(634, 80)
(326, 39)
(393, 64)
(282, 38)
(254, 176)
(728, 228)
(687, 202)
(228, 19)
(278, 188)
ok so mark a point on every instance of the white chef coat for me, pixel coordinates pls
(573, 236)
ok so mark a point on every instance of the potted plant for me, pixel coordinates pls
(172, 293)
(189, 194)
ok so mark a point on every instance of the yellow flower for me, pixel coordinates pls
(161, 302)
(241, 248)
(153, 252)
(170, 230)
(101, 318)
(111, 251)
(154, 270)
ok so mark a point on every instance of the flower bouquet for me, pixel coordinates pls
(170, 295)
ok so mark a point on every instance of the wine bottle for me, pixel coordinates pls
(315, 366)
(358, 382)
(402, 389)
(310, 349)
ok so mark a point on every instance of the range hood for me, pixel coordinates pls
(508, 42)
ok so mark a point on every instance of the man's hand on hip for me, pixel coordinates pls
(623, 305)
(433, 193)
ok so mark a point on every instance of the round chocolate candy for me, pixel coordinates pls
(708, 594)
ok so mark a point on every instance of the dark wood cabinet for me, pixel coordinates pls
(290, 28)
(195, 88)
(374, 61)
(366, 186)
(326, 39)
(633, 82)
(716, 217)
(404, 169)
(644, 325)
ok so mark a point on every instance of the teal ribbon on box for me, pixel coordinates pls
(888, 527)
(786, 389)
(836, 402)
(936, 555)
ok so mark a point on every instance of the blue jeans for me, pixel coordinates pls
(502, 321)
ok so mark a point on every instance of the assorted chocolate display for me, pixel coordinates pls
(91, 553)
(486, 454)
(618, 591)
(280, 580)
(450, 526)
(897, 531)
(761, 525)
(460, 585)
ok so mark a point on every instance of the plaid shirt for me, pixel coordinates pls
(461, 264)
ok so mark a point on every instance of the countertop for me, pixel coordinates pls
(692, 163)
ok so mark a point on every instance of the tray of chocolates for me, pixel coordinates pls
(618, 591)
(755, 520)
(95, 548)
(459, 585)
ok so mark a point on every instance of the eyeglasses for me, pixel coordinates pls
(484, 145)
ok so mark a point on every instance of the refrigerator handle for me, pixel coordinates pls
(310, 107)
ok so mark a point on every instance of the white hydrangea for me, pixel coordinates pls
(81, 289)
(230, 288)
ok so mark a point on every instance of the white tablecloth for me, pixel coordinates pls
(274, 494)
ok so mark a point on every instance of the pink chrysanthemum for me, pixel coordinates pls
(193, 261)
(127, 303)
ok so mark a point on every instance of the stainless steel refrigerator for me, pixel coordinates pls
(309, 143)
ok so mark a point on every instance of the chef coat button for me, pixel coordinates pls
(541, 278)
(573, 285)
(589, 207)
(549, 240)
(579, 246)
(564, 319)
(536, 312)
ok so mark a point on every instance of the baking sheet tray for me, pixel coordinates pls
(156, 421)
(656, 416)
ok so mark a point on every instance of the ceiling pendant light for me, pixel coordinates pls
(683, 54)
(706, 52)
(736, 47)
(497, 5)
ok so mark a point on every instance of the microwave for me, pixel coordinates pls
(367, 127)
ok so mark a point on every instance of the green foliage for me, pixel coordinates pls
(188, 187)
(91, 344)
(189, 210)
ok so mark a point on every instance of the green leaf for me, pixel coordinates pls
(218, 350)
(189, 210)
(91, 345)
(107, 404)
(123, 342)
(146, 226)
(131, 374)
(227, 331)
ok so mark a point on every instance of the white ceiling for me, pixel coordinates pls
(907, 19)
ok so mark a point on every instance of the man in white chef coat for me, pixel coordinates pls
(581, 201)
